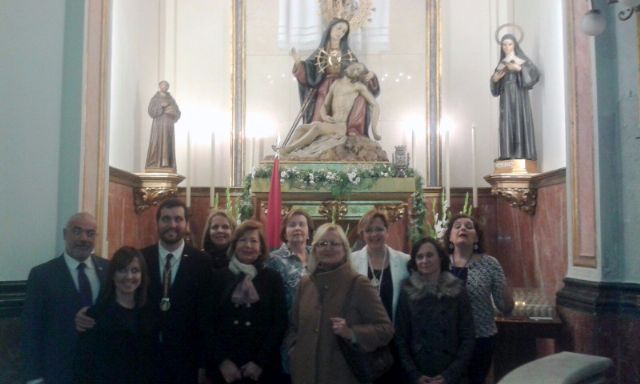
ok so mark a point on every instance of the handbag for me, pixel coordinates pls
(365, 366)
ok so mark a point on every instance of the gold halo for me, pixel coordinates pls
(513, 25)
(357, 17)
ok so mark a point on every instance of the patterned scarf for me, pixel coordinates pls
(245, 292)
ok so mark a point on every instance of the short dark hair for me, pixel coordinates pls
(447, 235)
(119, 261)
(172, 203)
(289, 216)
(445, 262)
(248, 226)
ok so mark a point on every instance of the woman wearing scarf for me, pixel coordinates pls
(249, 313)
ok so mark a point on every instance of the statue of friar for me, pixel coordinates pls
(161, 156)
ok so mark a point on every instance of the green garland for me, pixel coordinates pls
(418, 229)
(340, 183)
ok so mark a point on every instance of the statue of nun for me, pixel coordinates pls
(514, 76)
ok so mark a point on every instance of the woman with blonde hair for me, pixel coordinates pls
(216, 237)
(333, 302)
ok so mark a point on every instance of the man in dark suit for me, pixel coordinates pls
(179, 283)
(56, 290)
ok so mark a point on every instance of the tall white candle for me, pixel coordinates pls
(413, 147)
(260, 149)
(447, 170)
(212, 164)
(253, 152)
(188, 168)
(474, 188)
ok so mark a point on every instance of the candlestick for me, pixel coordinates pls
(253, 152)
(447, 170)
(474, 188)
(413, 147)
(212, 185)
(188, 168)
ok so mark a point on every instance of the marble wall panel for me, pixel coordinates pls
(125, 226)
(610, 335)
(532, 249)
(550, 239)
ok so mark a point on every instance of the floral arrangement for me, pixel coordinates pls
(340, 183)
(437, 225)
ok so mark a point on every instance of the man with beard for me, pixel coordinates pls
(179, 282)
(56, 290)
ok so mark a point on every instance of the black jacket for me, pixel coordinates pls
(179, 332)
(118, 349)
(247, 333)
(434, 328)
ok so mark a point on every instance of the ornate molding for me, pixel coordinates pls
(515, 181)
(518, 190)
(333, 210)
(155, 188)
(395, 212)
(522, 198)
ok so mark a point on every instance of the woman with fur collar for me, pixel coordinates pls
(434, 324)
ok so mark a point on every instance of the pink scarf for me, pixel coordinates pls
(245, 292)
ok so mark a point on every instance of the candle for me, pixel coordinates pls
(188, 168)
(212, 164)
(413, 147)
(447, 170)
(253, 152)
(474, 188)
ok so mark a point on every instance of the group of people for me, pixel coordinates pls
(234, 312)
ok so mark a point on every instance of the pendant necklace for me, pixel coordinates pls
(375, 281)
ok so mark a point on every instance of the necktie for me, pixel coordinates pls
(86, 296)
(166, 276)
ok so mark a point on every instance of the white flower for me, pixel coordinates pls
(440, 227)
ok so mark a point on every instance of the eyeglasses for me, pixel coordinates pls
(327, 244)
(90, 233)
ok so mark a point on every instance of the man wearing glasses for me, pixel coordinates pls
(56, 290)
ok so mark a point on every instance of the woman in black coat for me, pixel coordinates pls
(249, 314)
(434, 324)
(118, 348)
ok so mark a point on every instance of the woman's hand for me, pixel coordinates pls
(423, 380)
(251, 370)
(339, 327)
(230, 371)
(438, 380)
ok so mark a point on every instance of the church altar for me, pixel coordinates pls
(340, 192)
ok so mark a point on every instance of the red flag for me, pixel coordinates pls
(274, 208)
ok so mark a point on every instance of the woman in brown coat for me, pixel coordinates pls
(322, 312)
